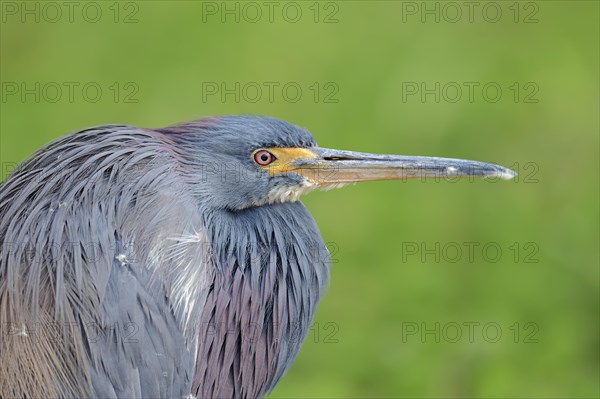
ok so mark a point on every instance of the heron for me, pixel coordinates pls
(175, 262)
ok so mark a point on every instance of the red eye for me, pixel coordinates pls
(263, 157)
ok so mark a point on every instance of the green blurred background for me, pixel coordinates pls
(396, 271)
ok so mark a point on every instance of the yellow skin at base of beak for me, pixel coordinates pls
(285, 158)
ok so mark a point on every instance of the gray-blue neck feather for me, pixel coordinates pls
(271, 269)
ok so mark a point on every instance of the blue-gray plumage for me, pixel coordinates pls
(173, 262)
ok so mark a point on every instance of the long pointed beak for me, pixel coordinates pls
(331, 167)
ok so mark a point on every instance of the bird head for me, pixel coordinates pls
(239, 162)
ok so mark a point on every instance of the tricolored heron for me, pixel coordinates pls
(173, 262)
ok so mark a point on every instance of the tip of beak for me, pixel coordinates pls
(503, 173)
